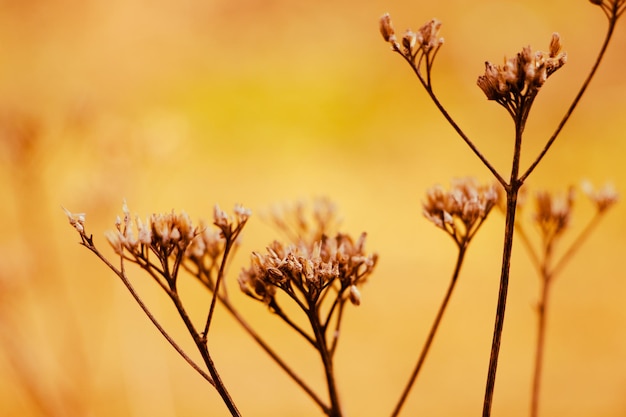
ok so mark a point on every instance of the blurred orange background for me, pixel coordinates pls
(183, 105)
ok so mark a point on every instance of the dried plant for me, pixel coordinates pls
(552, 217)
(320, 270)
(514, 85)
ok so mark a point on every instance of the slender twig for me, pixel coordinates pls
(428, 87)
(547, 276)
(230, 240)
(512, 190)
(584, 234)
(257, 338)
(502, 296)
(230, 308)
(327, 361)
(534, 258)
(333, 345)
(88, 243)
(431, 334)
(542, 310)
(607, 39)
(201, 343)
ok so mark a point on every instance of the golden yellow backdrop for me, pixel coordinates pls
(186, 104)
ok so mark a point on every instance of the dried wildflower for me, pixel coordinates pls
(386, 28)
(423, 43)
(338, 262)
(303, 224)
(603, 198)
(461, 210)
(427, 36)
(521, 76)
(208, 243)
(77, 220)
(231, 225)
(553, 213)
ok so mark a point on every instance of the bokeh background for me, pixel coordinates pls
(185, 104)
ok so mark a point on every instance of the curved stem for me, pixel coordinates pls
(200, 274)
(230, 240)
(607, 39)
(431, 334)
(201, 343)
(465, 138)
(229, 307)
(428, 86)
(577, 243)
(88, 243)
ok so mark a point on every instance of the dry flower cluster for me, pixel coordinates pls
(461, 210)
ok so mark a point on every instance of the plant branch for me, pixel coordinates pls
(428, 87)
(257, 338)
(593, 223)
(88, 243)
(512, 191)
(607, 39)
(431, 334)
(327, 361)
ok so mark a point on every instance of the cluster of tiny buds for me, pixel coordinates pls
(77, 220)
(425, 40)
(553, 212)
(301, 223)
(603, 198)
(309, 271)
(460, 210)
(170, 233)
(522, 75)
(161, 232)
(230, 225)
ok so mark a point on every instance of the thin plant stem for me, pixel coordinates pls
(230, 240)
(335, 341)
(201, 343)
(88, 243)
(255, 336)
(431, 334)
(612, 22)
(534, 259)
(547, 276)
(230, 308)
(593, 223)
(214, 378)
(327, 361)
(280, 313)
(542, 310)
(502, 296)
(428, 87)
(512, 190)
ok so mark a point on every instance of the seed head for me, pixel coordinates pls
(603, 198)
(386, 28)
(553, 213)
(77, 220)
(522, 75)
(462, 209)
(340, 262)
